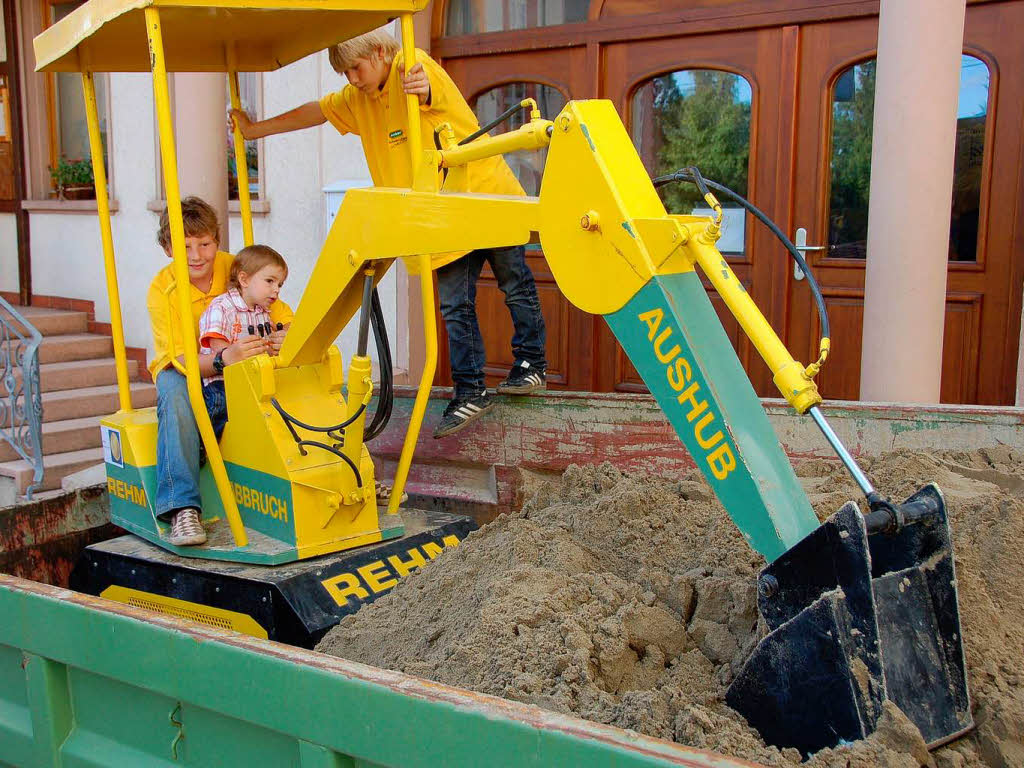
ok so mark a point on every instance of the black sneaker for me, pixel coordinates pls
(522, 380)
(460, 412)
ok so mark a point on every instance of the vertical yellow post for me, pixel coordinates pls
(241, 166)
(412, 102)
(99, 174)
(426, 381)
(181, 279)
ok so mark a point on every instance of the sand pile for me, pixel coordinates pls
(630, 601)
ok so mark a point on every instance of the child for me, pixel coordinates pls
(257, 276)
(178, 444)
(373, 106)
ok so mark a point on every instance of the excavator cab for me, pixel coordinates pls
(860, 609)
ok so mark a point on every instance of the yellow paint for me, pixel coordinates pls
(412, 102)
(219, 618)
(790, 377)
(241, 165)
(130, 492)
(138, 435)
(382, 575)
(419, 407)
(99, 173)
(679, 372)
(103, 35)
(173, 197)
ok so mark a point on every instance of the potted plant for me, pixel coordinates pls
(73, 179)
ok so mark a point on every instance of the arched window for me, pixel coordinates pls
(697, 117)
(527, 166)
(471, 17)
(853, 98)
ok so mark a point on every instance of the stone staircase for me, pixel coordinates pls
(79, 385)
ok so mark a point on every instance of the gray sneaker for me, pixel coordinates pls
(186, 528)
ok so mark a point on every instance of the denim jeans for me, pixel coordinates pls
(178, 446)
(456, 287)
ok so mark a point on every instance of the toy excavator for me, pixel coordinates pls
(860, 608)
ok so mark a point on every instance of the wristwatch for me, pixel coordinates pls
(218, 360)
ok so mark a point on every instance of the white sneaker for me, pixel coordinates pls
(186, 529)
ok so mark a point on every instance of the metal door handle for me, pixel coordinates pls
(801, 245)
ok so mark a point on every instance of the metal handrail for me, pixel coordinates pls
(21, 405)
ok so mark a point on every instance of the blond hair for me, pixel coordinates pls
(252, 259)
(198, 217)
(343, 55)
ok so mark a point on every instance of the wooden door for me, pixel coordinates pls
(983, 304)
(763, 60)
(570, 332)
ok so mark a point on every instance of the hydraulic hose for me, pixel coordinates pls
(693, 176)
(386, 391)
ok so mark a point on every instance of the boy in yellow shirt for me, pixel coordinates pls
(373, 106)
(178, 452)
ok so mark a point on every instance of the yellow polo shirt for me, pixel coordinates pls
(381, 123)
(162, 304)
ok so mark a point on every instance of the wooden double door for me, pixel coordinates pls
(797, 75)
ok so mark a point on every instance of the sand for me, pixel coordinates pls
(630, 601)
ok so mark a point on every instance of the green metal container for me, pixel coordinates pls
(88, 682)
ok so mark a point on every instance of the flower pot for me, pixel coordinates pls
(84, 192)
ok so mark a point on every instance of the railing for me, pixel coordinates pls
(21, 406)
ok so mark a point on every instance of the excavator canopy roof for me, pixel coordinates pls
(110, 35)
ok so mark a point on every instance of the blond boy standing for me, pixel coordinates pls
(373, 106)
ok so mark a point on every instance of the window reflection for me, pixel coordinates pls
(527, 166)
(853, 99)
(697, 117)
(471, 17)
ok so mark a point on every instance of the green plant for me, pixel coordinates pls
(72, 173)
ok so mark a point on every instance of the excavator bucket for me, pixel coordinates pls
(858, 613)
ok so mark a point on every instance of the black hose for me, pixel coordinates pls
(386, 392)
(493, 124)
(694, 176)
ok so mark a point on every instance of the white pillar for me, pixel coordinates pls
(200, 127)
(914, 135)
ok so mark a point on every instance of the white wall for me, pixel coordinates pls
(8, 253)
(66, 251)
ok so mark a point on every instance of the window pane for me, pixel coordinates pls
(527, 166)
(471, 17)
(249, 85)
(697, 117)
(852, 121)
(72, 129)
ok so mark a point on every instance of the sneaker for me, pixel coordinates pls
(384, 493)
(186, 528)
(522, 380)
(461, 411)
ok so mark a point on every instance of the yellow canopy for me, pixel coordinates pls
(110, 35)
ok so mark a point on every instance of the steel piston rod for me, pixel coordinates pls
(844, 455)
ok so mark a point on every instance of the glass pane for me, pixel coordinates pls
(471, 17)
(3, 32)
(972, 110)
(72, 130)
(249, 84)
(852, 116)
(527, 166)
(697, 117)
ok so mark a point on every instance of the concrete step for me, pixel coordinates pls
(52, 322)
(56, 467)
(78, 373)
(62, 405)
(61, 437)
(75, 346)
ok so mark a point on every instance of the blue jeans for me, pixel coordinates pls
(456, 287)
(178, 446)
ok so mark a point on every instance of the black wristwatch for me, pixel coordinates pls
(218, 360)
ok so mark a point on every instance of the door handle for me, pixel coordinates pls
(801, 245)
